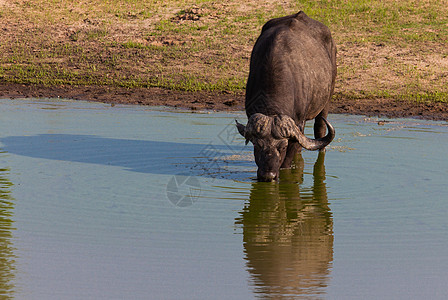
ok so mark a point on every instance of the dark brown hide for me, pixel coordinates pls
(291, 80)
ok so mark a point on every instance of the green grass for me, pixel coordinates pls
(384, 21)
(388, 49)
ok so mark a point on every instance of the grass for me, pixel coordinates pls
(388, 49)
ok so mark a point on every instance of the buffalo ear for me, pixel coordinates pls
(241, 128)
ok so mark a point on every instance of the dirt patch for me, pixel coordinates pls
(383, 107)
(226, 101)
(138, 96)
(195, 54)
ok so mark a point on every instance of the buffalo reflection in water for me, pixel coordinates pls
(288, 234)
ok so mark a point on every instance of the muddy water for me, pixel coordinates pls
(100, 202)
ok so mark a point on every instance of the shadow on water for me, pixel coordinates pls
(7, 267)
(134, 155)
(288, 234)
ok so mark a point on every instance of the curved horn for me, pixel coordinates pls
(314, 144)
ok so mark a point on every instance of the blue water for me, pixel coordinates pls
(126, 202)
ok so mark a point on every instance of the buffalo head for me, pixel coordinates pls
(270, 136)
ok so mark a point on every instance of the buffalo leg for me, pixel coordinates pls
(291, 151)
(319, 125)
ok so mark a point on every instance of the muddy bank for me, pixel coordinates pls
(218, 101)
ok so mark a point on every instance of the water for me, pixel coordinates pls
(100, 202)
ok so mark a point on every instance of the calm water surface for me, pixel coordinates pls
(100, 202)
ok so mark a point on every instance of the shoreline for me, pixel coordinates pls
(219, 101)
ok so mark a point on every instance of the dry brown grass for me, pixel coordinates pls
(391, 49)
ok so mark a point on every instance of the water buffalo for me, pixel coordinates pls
(291, 80)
